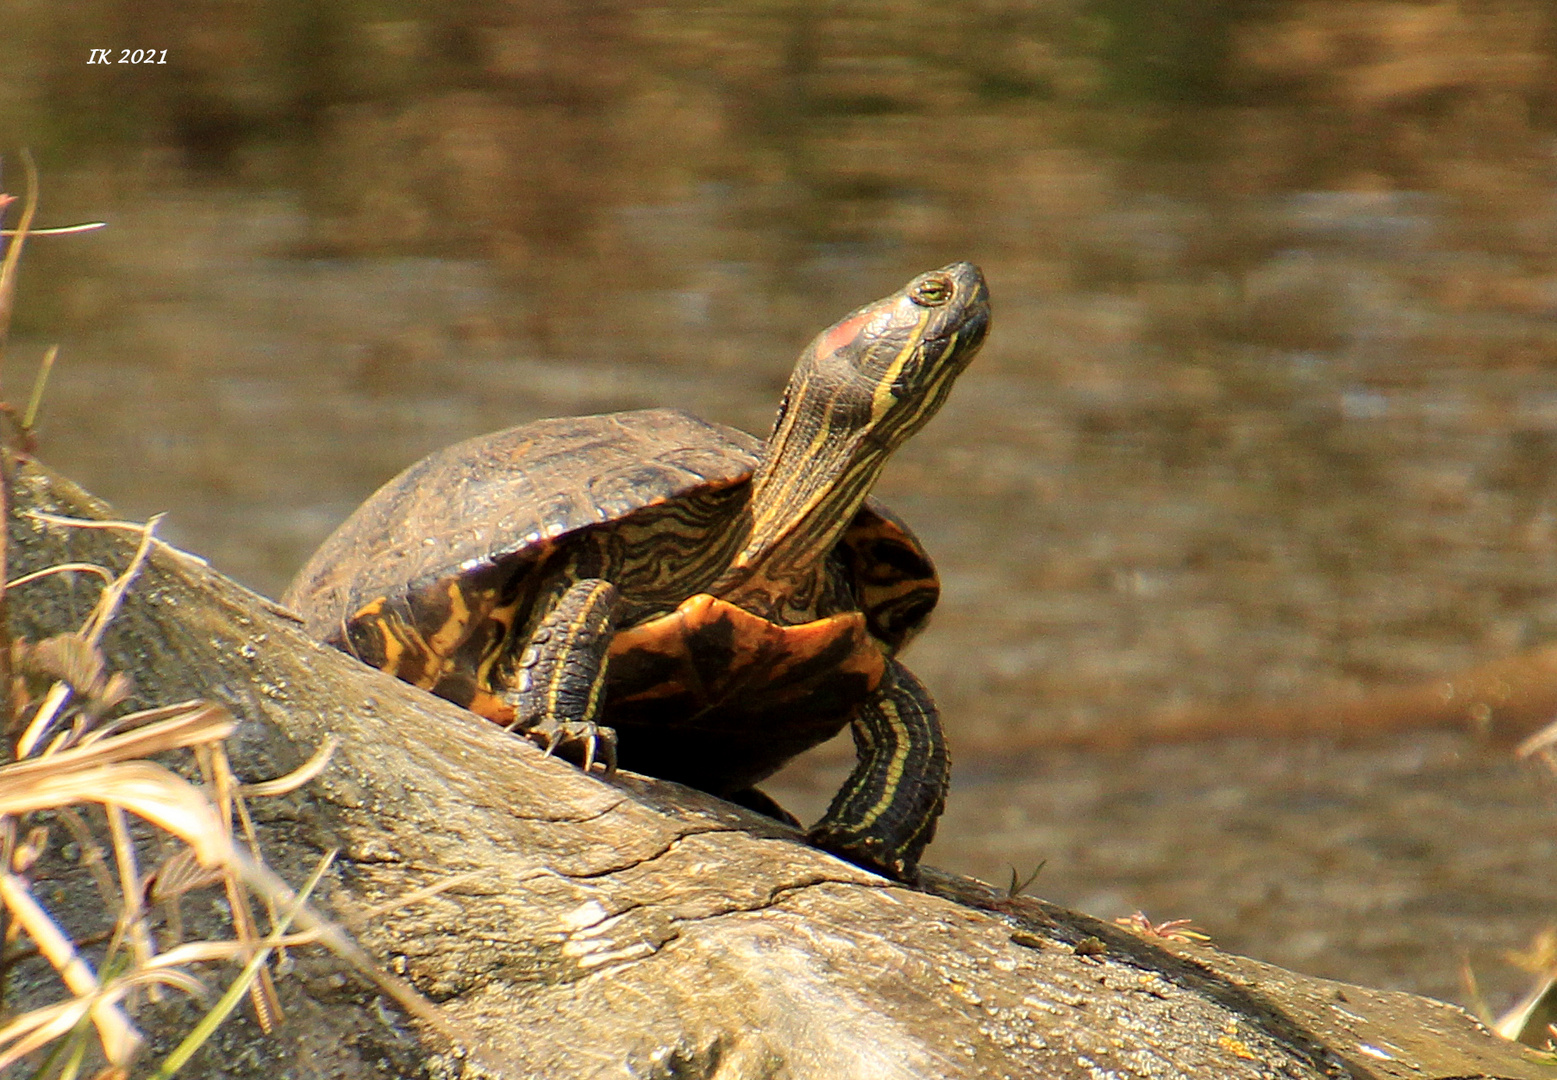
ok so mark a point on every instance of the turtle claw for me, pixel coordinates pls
(582, 742)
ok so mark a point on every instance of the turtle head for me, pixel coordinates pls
(859, 390)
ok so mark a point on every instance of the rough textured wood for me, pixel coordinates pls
(639, 929)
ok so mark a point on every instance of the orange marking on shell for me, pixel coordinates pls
(489, 705)
(715, 650)
(405, 654)
(443, 642)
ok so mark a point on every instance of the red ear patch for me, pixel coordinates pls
(842, 334)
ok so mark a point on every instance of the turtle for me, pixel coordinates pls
(676, 596)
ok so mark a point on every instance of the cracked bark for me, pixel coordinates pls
(639, 929)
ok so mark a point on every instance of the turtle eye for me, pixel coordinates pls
(932, 292)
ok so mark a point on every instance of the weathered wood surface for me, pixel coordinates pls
(639, 929)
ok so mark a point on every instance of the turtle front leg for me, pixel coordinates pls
(885, 814)
(557, 685)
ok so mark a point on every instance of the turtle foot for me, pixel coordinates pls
(868, 852)
(581, 742)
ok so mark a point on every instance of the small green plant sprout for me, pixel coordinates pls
(1019, 885)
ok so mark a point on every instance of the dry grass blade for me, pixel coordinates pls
(61, 568)
(229, 1000)
(13, 251)
(59, 230)
(149, 791)
(47, 710)
(131, 922)
(119, 1038)
(85, 523)
(194, 952)
(163, 975)
(1542, 742)
(39, 1027)
(137, 786)
(223, 785)
(297, 777)
(108, 603)
(92, 631)
(189, 723)
(230, 793)
(143, 723)
(1527, 1022)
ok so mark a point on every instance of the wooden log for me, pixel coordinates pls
(635, 928)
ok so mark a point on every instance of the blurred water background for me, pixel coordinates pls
(1268, 413)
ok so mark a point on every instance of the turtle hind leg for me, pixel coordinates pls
(885, 814)
(752, 799)
(557, 684)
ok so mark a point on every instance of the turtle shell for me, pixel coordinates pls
(453, 550)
